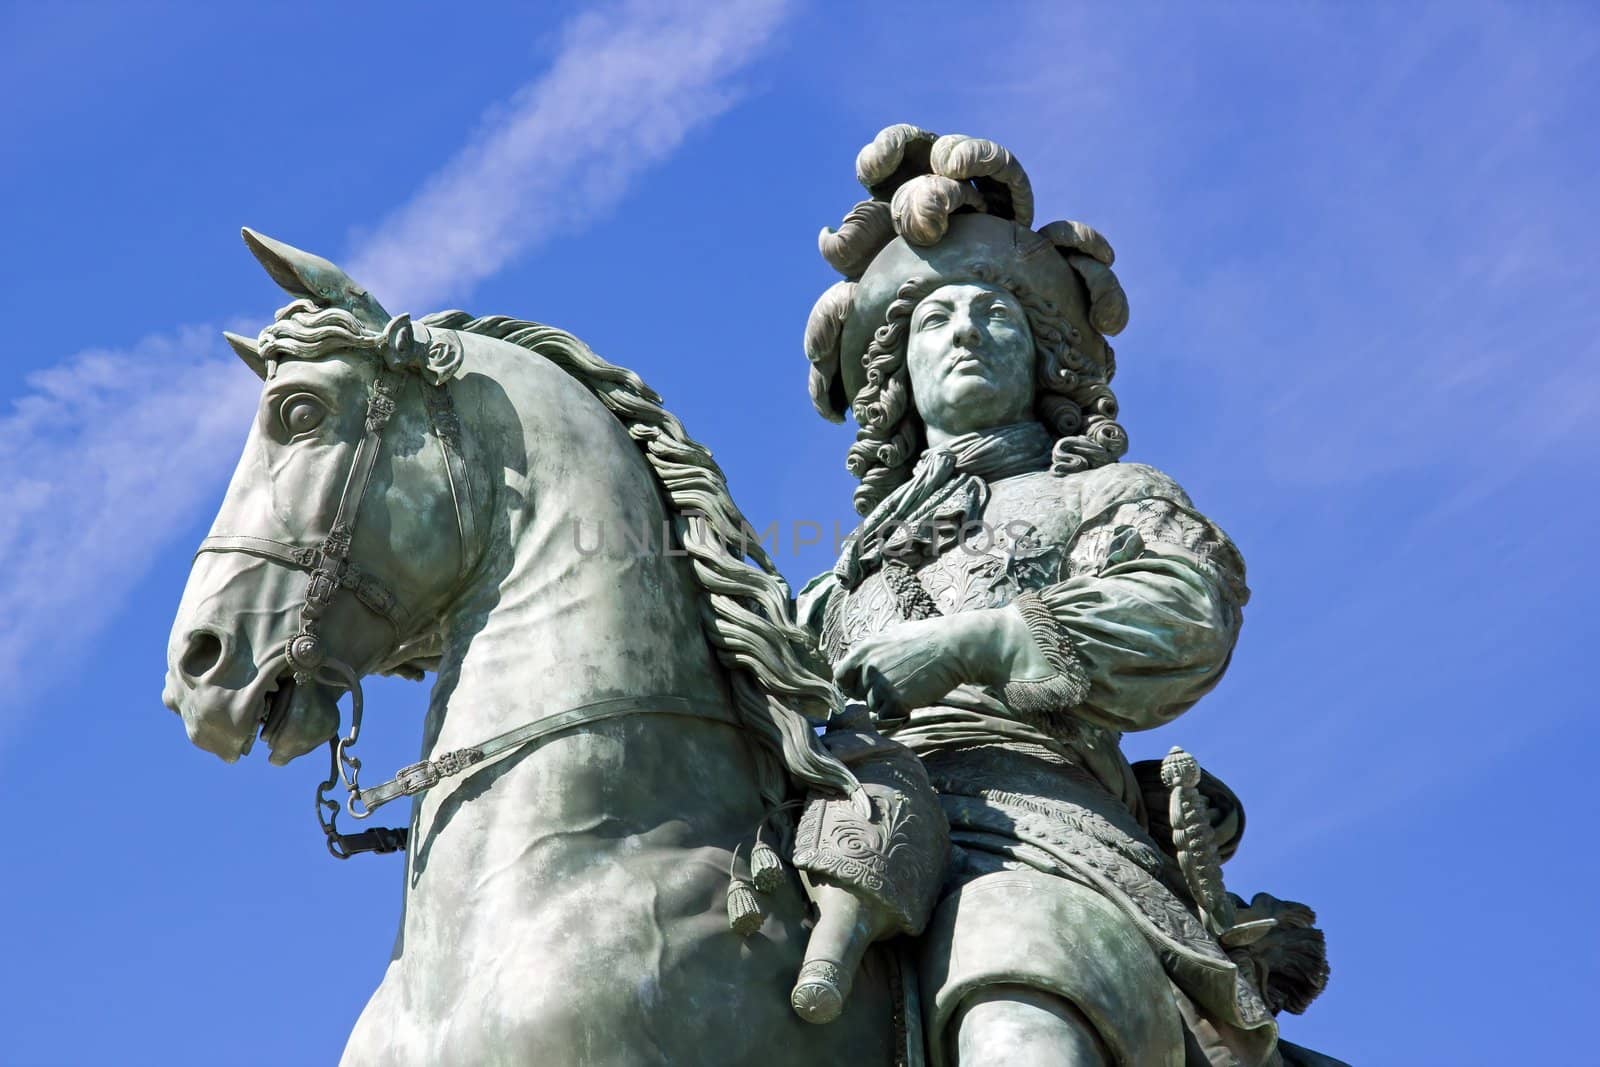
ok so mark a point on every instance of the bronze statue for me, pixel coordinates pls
(623, 744)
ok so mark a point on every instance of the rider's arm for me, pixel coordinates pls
(1149, 609)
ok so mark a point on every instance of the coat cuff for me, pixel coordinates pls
(1065, 689)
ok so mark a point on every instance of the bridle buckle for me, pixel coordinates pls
(414, 778)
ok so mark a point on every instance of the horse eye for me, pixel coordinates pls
(301, 413)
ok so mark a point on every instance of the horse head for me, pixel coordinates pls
(345, 527)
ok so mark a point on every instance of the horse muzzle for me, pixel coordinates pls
(226, 706)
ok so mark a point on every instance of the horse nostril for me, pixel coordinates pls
(205, 649)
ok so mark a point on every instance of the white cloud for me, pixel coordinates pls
(110, 453)
(622, 95)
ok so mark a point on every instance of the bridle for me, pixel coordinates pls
(330, 569)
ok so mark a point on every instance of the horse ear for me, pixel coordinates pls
(314, 278)
(247, 350)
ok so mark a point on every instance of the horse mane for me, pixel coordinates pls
(780, 682)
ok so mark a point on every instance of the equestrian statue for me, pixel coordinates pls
(667, 813)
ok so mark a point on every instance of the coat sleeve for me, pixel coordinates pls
(1150, 602)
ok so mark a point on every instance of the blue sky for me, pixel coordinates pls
(1360, 247)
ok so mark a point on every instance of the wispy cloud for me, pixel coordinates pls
(110, 453)
(621, 96)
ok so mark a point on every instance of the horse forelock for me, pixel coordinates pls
(302, 330)
(305, 330)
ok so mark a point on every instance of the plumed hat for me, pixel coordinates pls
(948, 209)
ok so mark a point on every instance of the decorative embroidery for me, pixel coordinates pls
(911, 598)
(1069, 687)
(897, 856)
(1157, 526)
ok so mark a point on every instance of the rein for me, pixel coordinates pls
(419, 777)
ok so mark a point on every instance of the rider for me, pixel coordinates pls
(1014, 600)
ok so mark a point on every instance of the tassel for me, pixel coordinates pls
(766, 867)
(744, 910)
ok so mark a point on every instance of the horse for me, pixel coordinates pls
(608, 722)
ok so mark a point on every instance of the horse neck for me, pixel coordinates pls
(569, 606)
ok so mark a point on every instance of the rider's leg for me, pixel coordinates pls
(1044, 956)
(1015, 1026)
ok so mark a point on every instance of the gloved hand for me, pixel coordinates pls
(915, 663)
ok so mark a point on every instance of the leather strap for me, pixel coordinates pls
(420, 777)
(447, 428)
(372, 593)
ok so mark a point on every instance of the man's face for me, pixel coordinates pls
(970, 357)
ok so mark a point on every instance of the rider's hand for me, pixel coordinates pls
(913, 664)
